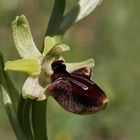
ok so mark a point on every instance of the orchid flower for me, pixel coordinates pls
(35, 64)
(40, 70)
(49, 74)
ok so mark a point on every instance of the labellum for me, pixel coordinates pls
(74, 91)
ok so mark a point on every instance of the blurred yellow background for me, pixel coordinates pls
(111, 35)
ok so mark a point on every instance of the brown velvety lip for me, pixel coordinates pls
(75, 92)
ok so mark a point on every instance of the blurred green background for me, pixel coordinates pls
(111, 35)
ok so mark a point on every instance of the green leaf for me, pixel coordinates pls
(33, 89)
(29, 66)
(56, 17)
(75, 66)
(23, 38)
(7, 84)
(12, 114)
(78, 12)
(10, 98)
(69, 19)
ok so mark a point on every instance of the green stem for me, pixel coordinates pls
(39, 120)
(24, 116)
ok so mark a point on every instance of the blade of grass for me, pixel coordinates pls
(56, 17)
(69, 19)
(10, 98)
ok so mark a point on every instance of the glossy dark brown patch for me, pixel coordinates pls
(75, 91)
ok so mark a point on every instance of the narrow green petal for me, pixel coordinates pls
(49, 43)
(75, 66)
(32, 89)
(23, 38)
(29, 66)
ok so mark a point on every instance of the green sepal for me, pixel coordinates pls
(33, 89)
(23, 38)
(29, 66)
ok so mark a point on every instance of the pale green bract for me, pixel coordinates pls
(86, 7)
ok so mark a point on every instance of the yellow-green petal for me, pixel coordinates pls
(29, 66)
(23, 38)
(75, 66)
(49, 43)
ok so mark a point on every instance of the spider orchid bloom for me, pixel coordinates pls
(68, 83)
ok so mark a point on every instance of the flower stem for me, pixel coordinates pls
(24, 116)
(39, 120)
